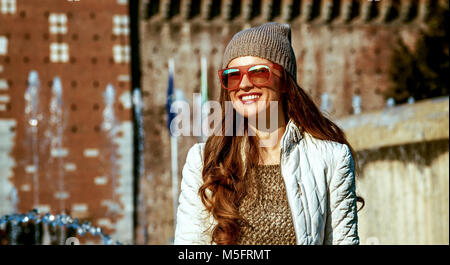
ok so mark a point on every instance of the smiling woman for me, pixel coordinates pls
(300, 190)
(251, 79)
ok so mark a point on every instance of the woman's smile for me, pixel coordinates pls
(249, 98)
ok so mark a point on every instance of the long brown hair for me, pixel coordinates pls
(224, 170)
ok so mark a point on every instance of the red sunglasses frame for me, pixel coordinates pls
(244, 71)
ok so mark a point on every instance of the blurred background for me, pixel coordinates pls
(84, 88)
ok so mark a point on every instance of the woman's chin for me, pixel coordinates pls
(253, 113)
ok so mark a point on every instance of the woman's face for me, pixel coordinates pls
(247, 97)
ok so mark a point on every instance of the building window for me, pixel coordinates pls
(121, 25)
(122, 2)
(59, 52)
(58, 23)
(4, 84)
(3, 45)
(8, 6)
(121, 53)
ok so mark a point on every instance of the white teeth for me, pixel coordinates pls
(245, 98)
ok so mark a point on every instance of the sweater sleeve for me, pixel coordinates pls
(342, 219)
(192, 216)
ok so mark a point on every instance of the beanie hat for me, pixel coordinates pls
(271, 41)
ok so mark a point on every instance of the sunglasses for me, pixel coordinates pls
(257, 74)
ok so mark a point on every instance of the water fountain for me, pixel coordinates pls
(33, 228)
(60, 228)
(55, 134)
(110, 127)
(33, 117)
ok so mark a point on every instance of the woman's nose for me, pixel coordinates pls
(245, 82)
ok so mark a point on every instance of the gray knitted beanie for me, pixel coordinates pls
(271, 41)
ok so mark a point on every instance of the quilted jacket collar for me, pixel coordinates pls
(291, 136)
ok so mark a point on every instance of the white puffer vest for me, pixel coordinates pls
(320, 188)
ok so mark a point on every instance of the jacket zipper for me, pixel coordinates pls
(299, 188)
(306, 212)
(290, 204)
(302, 202)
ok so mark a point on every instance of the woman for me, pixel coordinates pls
(300, 189)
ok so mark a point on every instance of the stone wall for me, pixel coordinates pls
(403, 160)
(343, 49)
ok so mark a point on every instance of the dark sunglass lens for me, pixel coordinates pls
(259, 74)
(231, 77)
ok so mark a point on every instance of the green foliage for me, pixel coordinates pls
(424, 72)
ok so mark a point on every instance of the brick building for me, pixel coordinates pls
(75, 155)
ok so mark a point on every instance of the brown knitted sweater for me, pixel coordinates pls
(265, 208)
